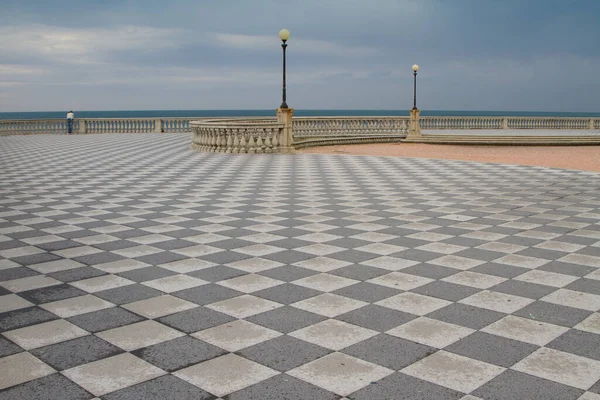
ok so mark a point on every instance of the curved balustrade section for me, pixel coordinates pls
(460, 122)
(238, 136)
(350, 126)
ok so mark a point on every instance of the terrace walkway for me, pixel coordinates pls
(132, 267)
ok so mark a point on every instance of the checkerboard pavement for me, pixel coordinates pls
(134, 268)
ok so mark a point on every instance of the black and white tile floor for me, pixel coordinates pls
(134, 268)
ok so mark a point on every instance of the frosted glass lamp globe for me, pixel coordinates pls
(284, 34)
(415, 68)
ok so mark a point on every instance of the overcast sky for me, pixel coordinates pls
(533, 55)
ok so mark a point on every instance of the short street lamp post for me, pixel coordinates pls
(284, 35)
(415, 68)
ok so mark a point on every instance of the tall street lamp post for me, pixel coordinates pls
(415, 68)
(284, 35)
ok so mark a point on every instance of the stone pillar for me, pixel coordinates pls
(284, 116)
(158, 125)
(504, 123)
(591, 123)
(414, 131)
(82, 126)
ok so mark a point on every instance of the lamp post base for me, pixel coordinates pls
(284, 116)
(414, 130)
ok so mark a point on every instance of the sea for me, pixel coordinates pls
(271, 113)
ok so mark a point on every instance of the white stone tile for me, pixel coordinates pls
(442, 248)
(226, 374)
(119, 266)
(546, 278)
(325, 282)
(113, 373)
(413, 303)
(236, 335)
(495, 301)
(501, 247)
(319, 249)
(474, 279)
(45, 334)
(55, 266)
(254, 265)
(138, 335)
(244, 306)
(12, 302)
(568, 369)
(76, 305)
(453, 371)
(430, 332)
(333, 334)
(571, 298)
(197, 251)
(590, 324)
(390, 263)
(174, 283)
(322, 264)
(93, 285)
(581, 259)
(79, 251)
(250, 283)
(187, 265)
(399, 280)
(381, 248)
(329, 305)
(340, 373)
(456, 262)
(20, 368)
(560, 246)
(525, 330)
(160, 306)
(21, 251)
(517, 260)
(29, 283)
(589, 396)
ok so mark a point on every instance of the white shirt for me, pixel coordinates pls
(70, 115)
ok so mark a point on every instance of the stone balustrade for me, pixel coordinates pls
(344, 126)
(96, 125)
(239, 136)
(435, 123)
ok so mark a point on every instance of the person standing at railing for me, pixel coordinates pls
(70, 118)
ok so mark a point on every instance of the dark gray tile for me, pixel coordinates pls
(360, 272)
(163, 257)
(368, 292)
(283, 353)
(287, 293)
(446, 290)
(226, 257)
(216, 274)
(464, 315)
(174, 244)
(52, 293)
(115, 245)
(288, 273)
(60, 245)
(128, 294)
(523, 289)
(166, 387)
(16, 273)
(480, 254)
(578, 342)
(24, 317)
(376, 317)
(51, 387)
(511, 385)
(207, 294)
(585, 285)
(567, 268)
(102, 320)
(75, 352)
(179, 353)
(290, 256)
(195, 320)
(8, 348)
(147, 274)
(399, 386)
(553, 313)
(286, 319)
(36, 258)
(504, 271)
(492, 349)
(99, 258)
(430, 270)
(389, 351)
(77, 274)
(282, 387)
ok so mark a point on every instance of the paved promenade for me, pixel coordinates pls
(134, 268)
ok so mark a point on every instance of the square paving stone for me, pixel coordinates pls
(502, 270)
(283, 353)
(50, 387)
(389, 351)
(430, 271)
(523, 289)
(24, 317)
(179, 353)
(195, 320)
(553, 313)
(286, 319)
(465, 315)
(366, 291)
(52, 293)
(376, 317)
(77, 274)
(282, 387)
(167, 387)
(567, 268)
(586, 285)
(75, 352)
(578, 342)
(8, 348)
(206, 294)
(146, 274)
(216, 274)
(288, 273)
(102, 320)
(492, 349)
(287, 293)
(36, 258)
(399, 386)
(161, 258)
(512, 385)
(359, 272)
(16, 273)
(128, 294)
(446, 290)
